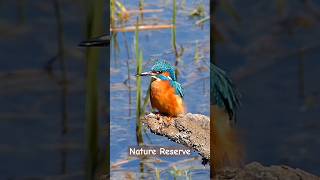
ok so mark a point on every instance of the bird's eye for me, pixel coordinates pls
(159, 72)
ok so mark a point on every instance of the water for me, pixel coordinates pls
(32, 142)
(278, 126)
(193, 77)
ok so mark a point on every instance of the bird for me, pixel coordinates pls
(166, 94)
(225, 101)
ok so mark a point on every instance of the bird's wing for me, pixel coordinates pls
(224, 93)
(177, 86)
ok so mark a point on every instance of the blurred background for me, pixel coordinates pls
(52, 93)
(135, 49)
(271, 50)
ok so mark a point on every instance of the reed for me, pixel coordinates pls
(142, 28)
(174, 33)
(301, 77)
(123, 15)
(280, 6)
(64, 85)
(157, 171)
(183, 4)
(21, 11)
(139, 61)
(174, 36)
(141, 7)
(196, 53)
(128, 81)
(141, 4)
(202, 21)
(199, 11)
(132, 12)
(114, 35)
(94, 28)
(112, 13)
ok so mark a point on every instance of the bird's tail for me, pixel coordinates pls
(227, 150)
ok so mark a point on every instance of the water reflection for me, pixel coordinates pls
(272, 57)
(42, 90)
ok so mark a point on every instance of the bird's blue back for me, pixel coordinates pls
(224, 93)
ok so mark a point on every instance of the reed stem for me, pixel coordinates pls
(94, 28)
(139, 59)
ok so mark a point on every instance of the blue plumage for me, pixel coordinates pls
(164, 66)
(177, 86)
(224, 92)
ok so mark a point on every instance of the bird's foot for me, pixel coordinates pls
(168, 121)
(158, 115)
(163, 119)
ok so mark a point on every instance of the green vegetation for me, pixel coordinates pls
(94, 28)
(139, 61)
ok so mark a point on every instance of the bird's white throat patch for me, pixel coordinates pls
(155, 77)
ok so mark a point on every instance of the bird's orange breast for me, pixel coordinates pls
(164, 98)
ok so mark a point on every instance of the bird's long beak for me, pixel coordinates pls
(103, 40)
(150, 73)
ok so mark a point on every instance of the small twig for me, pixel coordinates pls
(203, 20)
(142, 28)
(121, 162)
(144, 11)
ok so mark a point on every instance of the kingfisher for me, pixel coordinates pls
(166, 94)
(225, 101)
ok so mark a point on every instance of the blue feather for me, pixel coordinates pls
(164, 66)
(224, 93)
(177, 86)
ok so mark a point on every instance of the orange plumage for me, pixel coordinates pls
(164, 98)
(226, 147)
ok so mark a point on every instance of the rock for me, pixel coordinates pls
(256, 171)
(191, 130)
